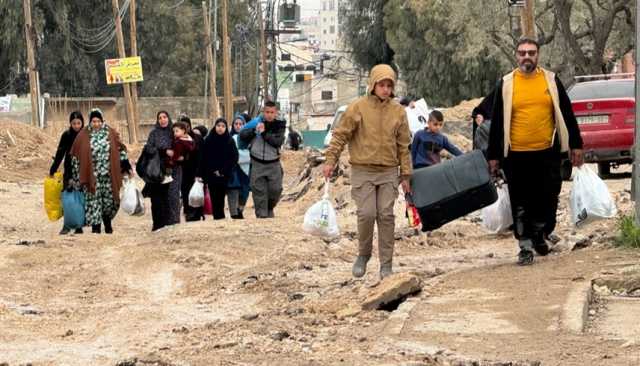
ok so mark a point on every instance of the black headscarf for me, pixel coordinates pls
(219, 153)
(161, 137)
(203, 130)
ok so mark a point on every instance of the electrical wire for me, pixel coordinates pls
(94, 40)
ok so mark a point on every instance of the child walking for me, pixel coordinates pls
(376, 129)
(429, 142)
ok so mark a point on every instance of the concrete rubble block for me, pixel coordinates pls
(392, 288)
(349, 311)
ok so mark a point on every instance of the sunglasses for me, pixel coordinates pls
(531, 53)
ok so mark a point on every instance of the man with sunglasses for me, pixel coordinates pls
(533, 128)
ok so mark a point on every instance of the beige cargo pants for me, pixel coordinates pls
(375, 193)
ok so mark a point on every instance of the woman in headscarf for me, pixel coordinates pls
(165, 198)
(76, 123)
(219, 156)
(238, 187)
(189, 171)
(98, 161)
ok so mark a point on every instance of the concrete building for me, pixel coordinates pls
(329, 25)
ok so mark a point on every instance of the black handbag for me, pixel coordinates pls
(150, 167)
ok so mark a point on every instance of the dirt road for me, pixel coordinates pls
(261, 292)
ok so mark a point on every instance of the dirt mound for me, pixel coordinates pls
(461, 141)
(306, 186)
(26, 152)
(461, 112)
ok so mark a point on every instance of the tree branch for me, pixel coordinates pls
(499, 42)
(544, 38)
(562, 11)
(628, 17)
(592, 11)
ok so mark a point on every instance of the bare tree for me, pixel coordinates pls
(587, 41)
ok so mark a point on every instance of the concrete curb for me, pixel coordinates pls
(575, 312)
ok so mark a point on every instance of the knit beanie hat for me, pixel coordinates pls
(96, 113)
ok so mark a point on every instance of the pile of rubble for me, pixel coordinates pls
(308, 185)
(461, 112)
(25, 152)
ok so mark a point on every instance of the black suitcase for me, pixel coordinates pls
(452, 189)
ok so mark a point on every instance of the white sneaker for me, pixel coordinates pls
(167, 179)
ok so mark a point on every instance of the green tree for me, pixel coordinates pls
(364, 31)
(431, 53)
(74, 40)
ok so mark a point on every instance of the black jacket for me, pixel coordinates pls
(218, 157)
(496, 135)
(63, 153)
(192, 162)
(485, 108)
(265, 149)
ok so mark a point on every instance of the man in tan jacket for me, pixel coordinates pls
(376, 129)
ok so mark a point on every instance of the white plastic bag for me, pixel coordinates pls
(139, 204)
(497, 217)
(196, 195)
(320, 219)
(590, 198)
(130, 198)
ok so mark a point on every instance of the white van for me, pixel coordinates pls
(334, 124)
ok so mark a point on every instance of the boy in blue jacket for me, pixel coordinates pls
(428, 143)
(265, 135)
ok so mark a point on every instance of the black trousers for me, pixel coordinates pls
(217, 192)
(160, 205)
(534, 184)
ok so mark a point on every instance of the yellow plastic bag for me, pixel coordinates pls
(52, 200)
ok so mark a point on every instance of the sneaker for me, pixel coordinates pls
(167, 179)
(525, 257)
(385, 271)
(360, 266)
(79, 231)
(64, 231)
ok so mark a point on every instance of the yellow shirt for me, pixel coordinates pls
(532, 122)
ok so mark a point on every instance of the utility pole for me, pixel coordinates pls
(214, 111)
(274, 78)
(528, 19)
(125, 86)
(226, 64)
(215, 51)
(636, 168)
(263, 53)
(134, 52)
(29, 33)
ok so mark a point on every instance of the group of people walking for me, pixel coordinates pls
(532, 128)
(230, 160)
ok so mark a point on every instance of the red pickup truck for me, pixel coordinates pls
(605, 110)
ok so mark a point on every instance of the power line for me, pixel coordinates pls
(94, 40)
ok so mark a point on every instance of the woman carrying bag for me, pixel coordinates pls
(98, 160)
(219, 156)
(76, 124)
